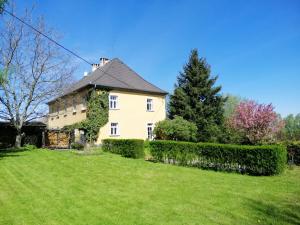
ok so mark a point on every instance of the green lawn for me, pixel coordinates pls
(43, 187)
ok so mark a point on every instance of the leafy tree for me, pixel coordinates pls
(292, 127)
(176, 129)
(231, 103)
(230, 135)
(197, 99)
(258, 122)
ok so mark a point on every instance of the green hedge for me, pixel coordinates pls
(293, 150)
(254, 160)
(131, 148)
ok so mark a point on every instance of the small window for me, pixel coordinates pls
(150, 131)
(113, 102)
(149, 104)
(114, 129)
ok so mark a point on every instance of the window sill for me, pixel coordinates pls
(114, 109)
(149, 110)
(114, 135)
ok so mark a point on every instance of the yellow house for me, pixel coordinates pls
(135, 105)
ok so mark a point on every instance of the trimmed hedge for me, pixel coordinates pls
(131, 148)
(293, 150)
(254, 160)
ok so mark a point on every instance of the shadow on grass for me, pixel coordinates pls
(282, 213)
(11, 152)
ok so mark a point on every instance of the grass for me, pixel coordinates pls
(63, 187)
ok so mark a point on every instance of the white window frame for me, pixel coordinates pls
(113, 102)
(150, 134)
(114, 129)
(149, 105)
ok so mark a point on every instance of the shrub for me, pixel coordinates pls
(254, 160)
(293, 150)
(130, 148)
(77, 145)
(29, 147)
(177, 129)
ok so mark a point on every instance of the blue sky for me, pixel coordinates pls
(253, 46)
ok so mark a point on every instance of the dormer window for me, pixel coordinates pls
(149, 104)
(113, 102)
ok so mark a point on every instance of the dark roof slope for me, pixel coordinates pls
(115, 74)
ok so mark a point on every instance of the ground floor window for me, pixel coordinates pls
(150, 131)
(114, 129)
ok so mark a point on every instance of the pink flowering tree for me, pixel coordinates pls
(258, 122)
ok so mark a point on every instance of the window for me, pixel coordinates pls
(74, 103)
(114, 129)
(113, 102)
(150, 131)
(149, 104)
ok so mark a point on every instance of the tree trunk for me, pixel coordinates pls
(18, 139)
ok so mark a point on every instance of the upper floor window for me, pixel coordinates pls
(149, 104)
(113, 102)
(114, 129)
(150, 131)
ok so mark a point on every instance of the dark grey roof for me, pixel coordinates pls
(116, 75)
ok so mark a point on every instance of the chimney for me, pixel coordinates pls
(103, 61)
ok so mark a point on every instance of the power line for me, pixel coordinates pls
(66, 49)
(49, 38)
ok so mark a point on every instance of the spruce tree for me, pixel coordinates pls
(197, 99)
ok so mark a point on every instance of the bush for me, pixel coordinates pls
(177, 129)
(130, 148)
(77, 146)
(293, 150)
(29, 147)
(254, 160)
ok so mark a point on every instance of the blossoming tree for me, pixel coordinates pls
(258, 122)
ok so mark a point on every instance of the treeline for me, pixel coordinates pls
(198, 112)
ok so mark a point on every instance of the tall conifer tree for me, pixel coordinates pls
(197, 99)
